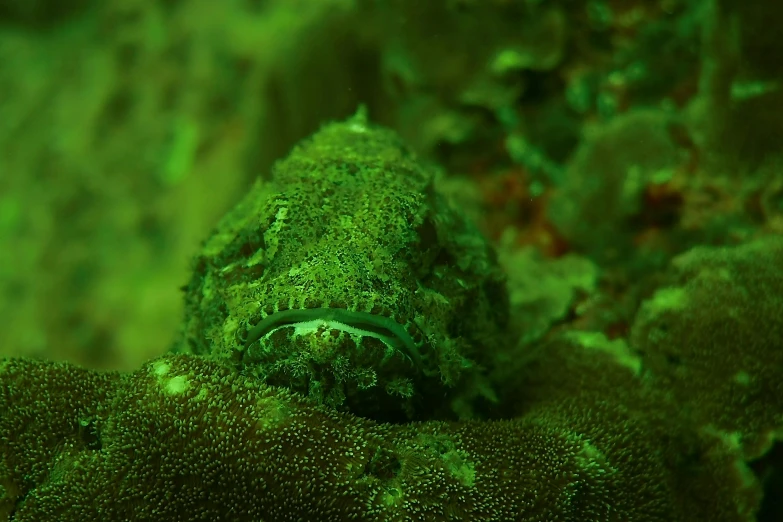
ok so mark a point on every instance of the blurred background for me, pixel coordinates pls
(591, 140)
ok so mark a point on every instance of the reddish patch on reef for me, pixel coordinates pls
(510, 203)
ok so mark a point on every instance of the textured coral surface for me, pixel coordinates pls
(187, 439)
(714, 339)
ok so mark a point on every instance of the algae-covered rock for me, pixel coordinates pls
(349, 278)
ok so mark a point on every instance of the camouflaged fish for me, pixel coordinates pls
(350, 279)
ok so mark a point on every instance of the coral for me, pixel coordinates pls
(543, 291)
(603, 193)
(598, 388)
(184, 438)
(447, 74)
(349, 278)
(740, 102)
(49, 413)
(711, 337)
(619, 390)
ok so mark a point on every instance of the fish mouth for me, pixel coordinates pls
(385, 329)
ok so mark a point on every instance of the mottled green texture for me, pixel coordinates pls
(600, 205)
(187, 439)
(49, 414)
(592, 388)
(443, 60)
(38, 13)
(713, 337)
(349, 278)
(542, 291)
(127, 130)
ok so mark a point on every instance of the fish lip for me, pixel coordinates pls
(381, 326)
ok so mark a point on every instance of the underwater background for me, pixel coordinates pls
(622, 159)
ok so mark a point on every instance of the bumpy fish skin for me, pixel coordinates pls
(349, 278)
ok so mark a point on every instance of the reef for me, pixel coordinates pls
(237, 425)
(537, 278)
(711, 336)
(184, 438)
